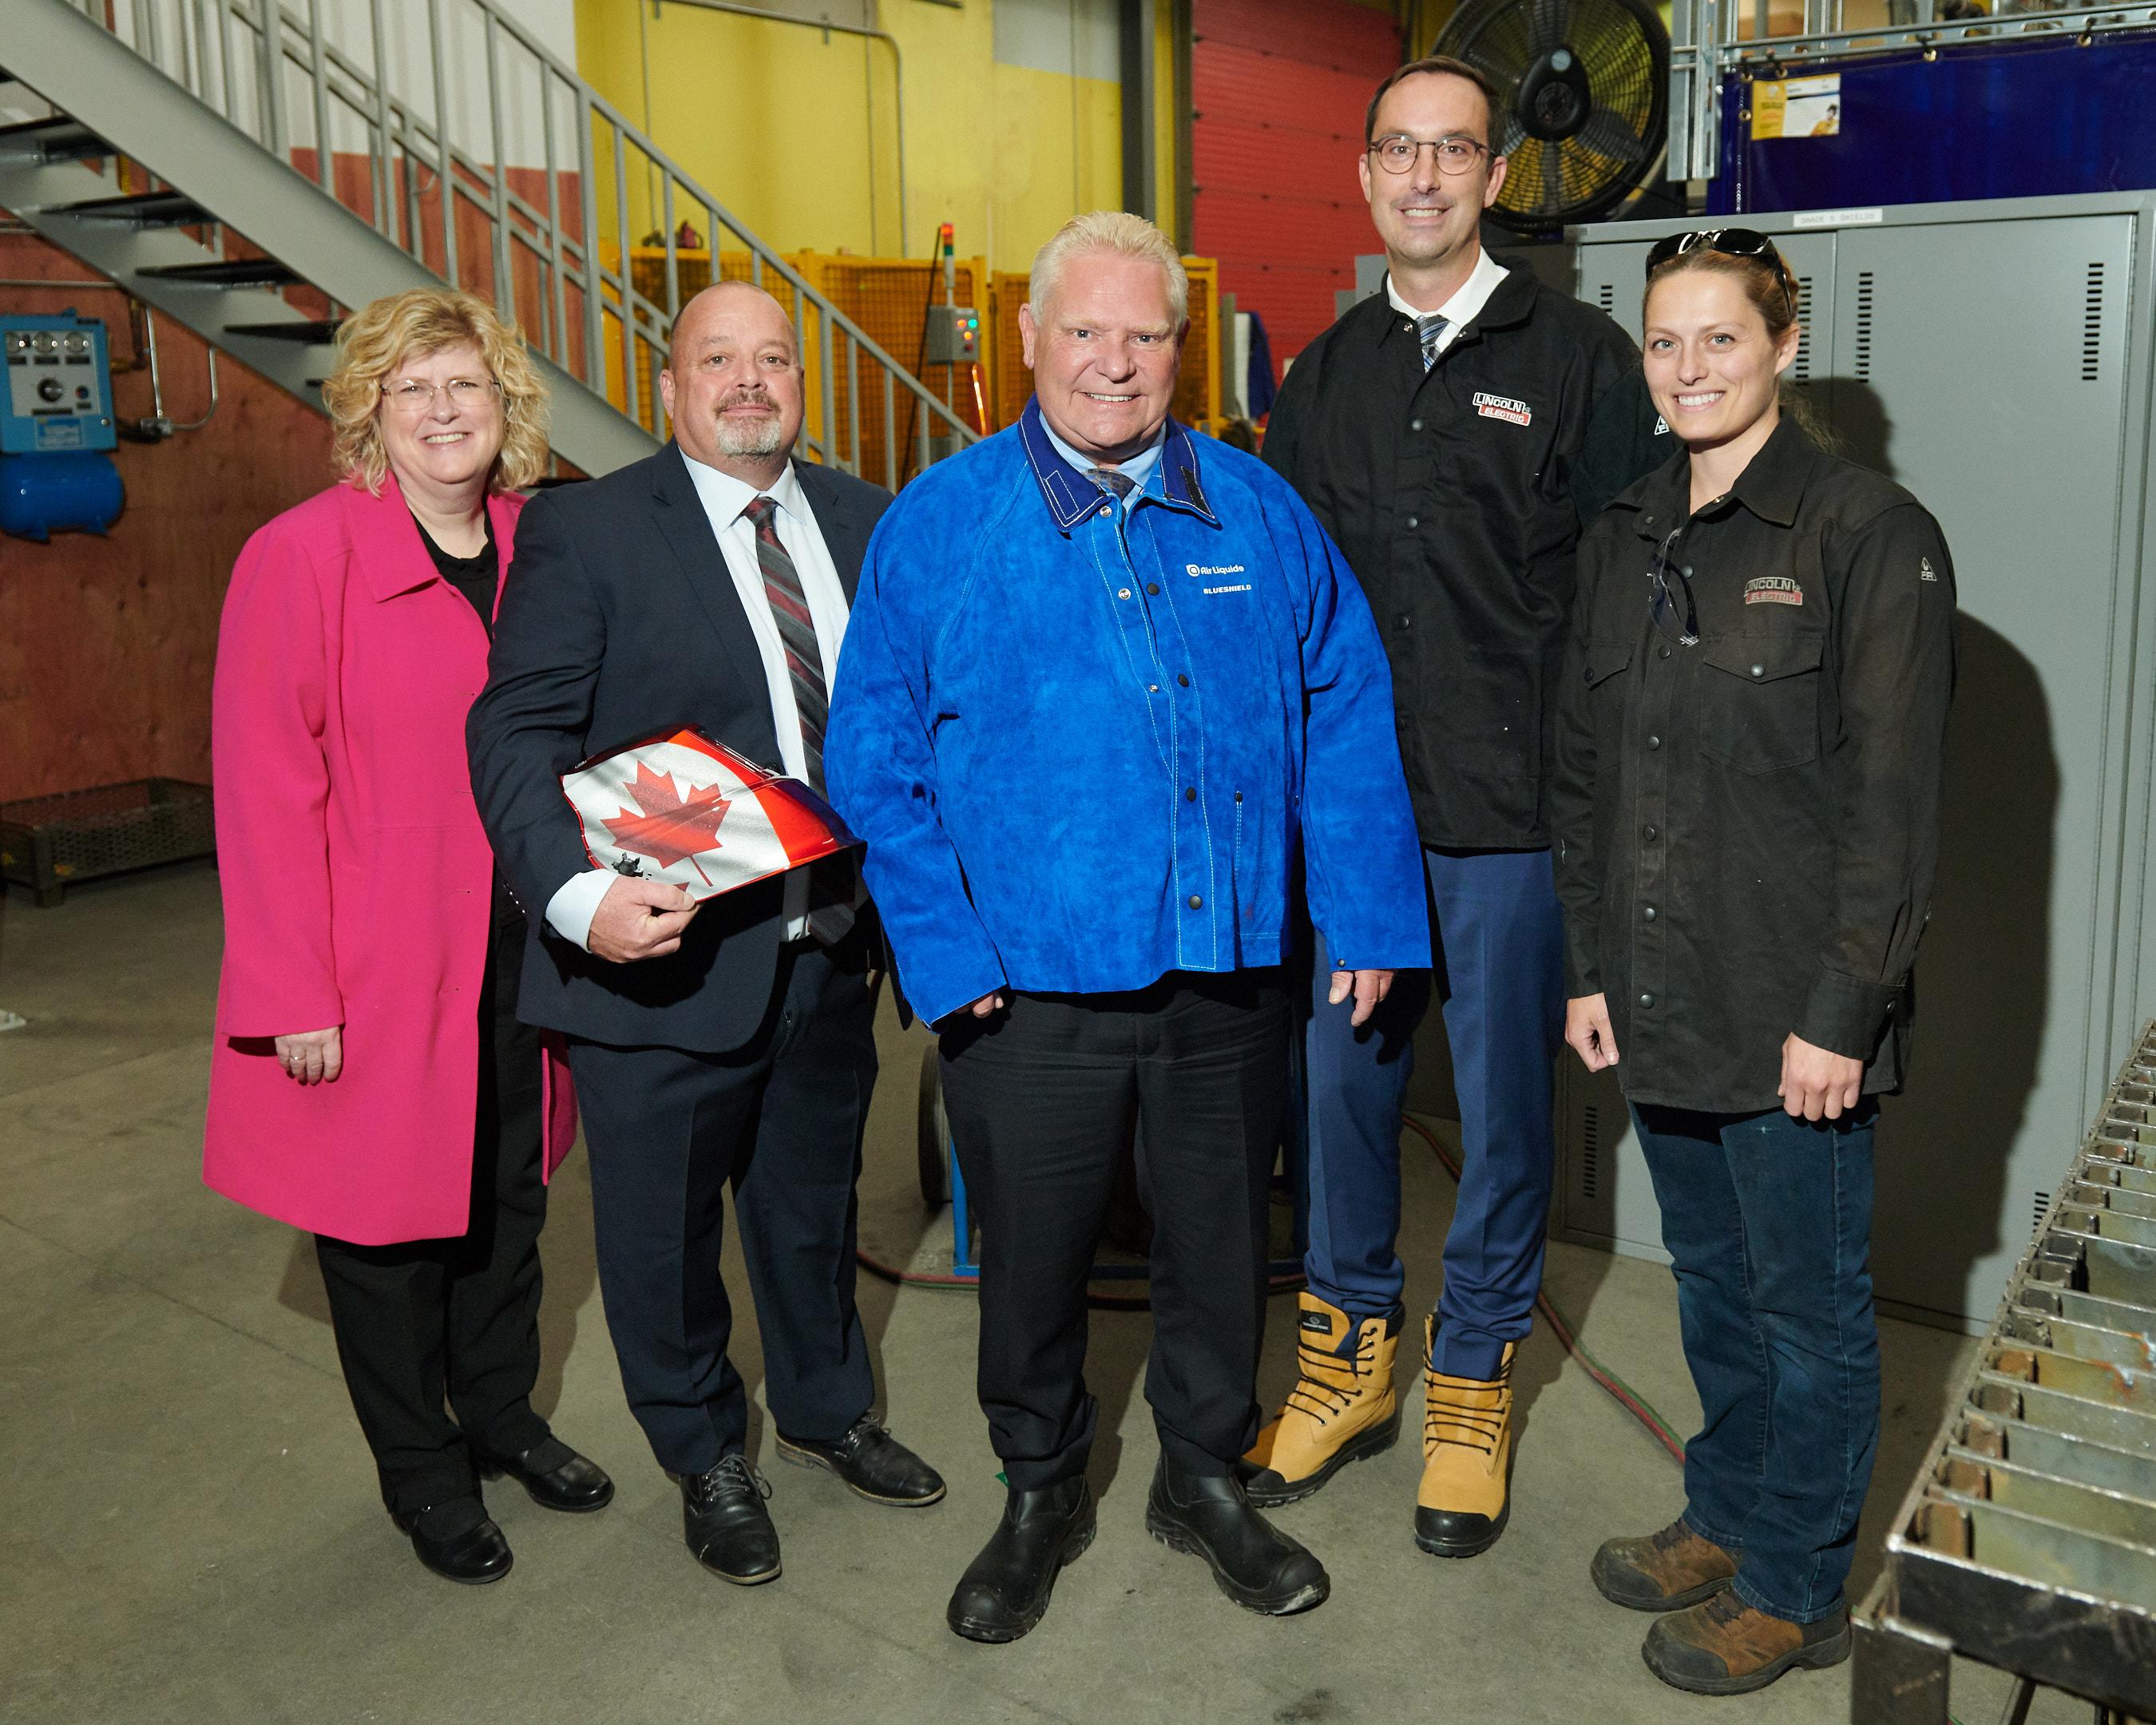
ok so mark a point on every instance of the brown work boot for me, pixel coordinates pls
(1663, 1572)
(1342, 1410)
(1724, 1646)
(1467, 1457)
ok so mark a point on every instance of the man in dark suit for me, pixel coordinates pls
(731, 1043)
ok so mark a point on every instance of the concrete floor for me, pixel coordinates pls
(193, 1534)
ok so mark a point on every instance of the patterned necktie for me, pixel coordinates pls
(828, 920)
(797, 633)
(1431, 331)
(1109, 480)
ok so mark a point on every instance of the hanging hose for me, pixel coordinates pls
(1627, 1398)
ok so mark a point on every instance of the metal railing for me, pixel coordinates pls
(455, 133)
(1709, 39)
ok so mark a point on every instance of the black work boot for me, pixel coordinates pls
(1004, 1590)
(1256, 1565)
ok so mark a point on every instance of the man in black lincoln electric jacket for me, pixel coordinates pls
(1453, 434)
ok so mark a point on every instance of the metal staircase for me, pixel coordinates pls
(246, 171)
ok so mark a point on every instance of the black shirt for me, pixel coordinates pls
(477, 577)
(1747, 827)
(1458, 496)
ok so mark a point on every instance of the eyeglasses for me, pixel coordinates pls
(409, 395)
(1397, 152)
(1730, 243)
(1670, 600)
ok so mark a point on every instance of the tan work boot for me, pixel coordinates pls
(1724, 1646)
(1342, 1410)
(1663, 1572)
(1467, 1457)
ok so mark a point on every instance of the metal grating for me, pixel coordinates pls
(2029, 1538)
(48, 843)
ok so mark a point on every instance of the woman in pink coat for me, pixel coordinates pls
(370, 1082)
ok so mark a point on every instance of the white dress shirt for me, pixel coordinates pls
(1138, 468)
(1466, 304)
(725, 502)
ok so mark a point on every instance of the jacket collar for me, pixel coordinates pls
(1070, 496)
(1511, 304)
(1772, 486)
(387, 541)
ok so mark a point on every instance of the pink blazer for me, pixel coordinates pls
(356, 878)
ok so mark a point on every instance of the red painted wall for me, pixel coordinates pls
(1279, 88)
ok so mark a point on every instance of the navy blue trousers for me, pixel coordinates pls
(1769, 1222)
(1500, 976)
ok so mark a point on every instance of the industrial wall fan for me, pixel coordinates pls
(1585, 88)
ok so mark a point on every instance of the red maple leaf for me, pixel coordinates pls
(668, 827)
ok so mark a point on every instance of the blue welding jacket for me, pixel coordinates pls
(1085, 746)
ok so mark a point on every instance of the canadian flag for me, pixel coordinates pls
(690, 812)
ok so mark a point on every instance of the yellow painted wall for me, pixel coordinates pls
(796, 134)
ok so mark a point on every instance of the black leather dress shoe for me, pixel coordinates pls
(556, 1476)
(1004, 1590)
(457, 1541)
(726, 1525)
(1256, 1565)
(872, 1462)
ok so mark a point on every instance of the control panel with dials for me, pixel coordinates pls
(59, 384)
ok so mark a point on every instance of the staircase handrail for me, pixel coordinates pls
(567, 252)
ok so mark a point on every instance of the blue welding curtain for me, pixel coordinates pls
(1986, 120)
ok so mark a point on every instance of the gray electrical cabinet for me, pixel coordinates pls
(1996, 358)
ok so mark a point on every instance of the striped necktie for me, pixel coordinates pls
(1109, 480)
(797, 633)
(1431, 331)
(828, 921)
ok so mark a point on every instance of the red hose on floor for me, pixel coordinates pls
(1637, 1405)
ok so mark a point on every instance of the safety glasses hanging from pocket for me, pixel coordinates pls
(1669, 597)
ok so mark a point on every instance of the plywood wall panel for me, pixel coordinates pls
(106, 644)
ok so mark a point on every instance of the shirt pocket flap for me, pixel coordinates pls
(1766, 658)
(1606, 658)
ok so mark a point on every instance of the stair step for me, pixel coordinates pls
(55, 139)
(313, 332)
(229, 272)
(145, 209)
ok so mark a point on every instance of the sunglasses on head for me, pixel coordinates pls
(1730, 243)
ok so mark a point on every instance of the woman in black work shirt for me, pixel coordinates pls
(1750, 750)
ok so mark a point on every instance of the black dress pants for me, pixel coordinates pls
(427, 1320)
(1042, 1097)
(780, 1121)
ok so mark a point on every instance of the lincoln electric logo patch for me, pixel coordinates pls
(1503, 407)
(1773, 590)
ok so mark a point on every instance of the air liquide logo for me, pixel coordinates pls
(1204, 570)
(1503, 407)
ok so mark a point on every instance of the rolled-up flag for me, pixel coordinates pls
(681, 808)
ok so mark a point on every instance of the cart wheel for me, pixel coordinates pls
(932, 1135)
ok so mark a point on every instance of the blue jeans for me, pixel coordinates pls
(1499, 977)
(1769, 1220)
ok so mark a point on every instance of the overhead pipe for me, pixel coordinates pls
(897, 73)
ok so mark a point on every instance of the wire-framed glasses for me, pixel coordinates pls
(1669, 595)
(410, 395)
(1396, 152)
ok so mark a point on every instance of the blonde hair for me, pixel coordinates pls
(377, 339)
(1114, 231)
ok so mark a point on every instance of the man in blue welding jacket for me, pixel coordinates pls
(1100, 691)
